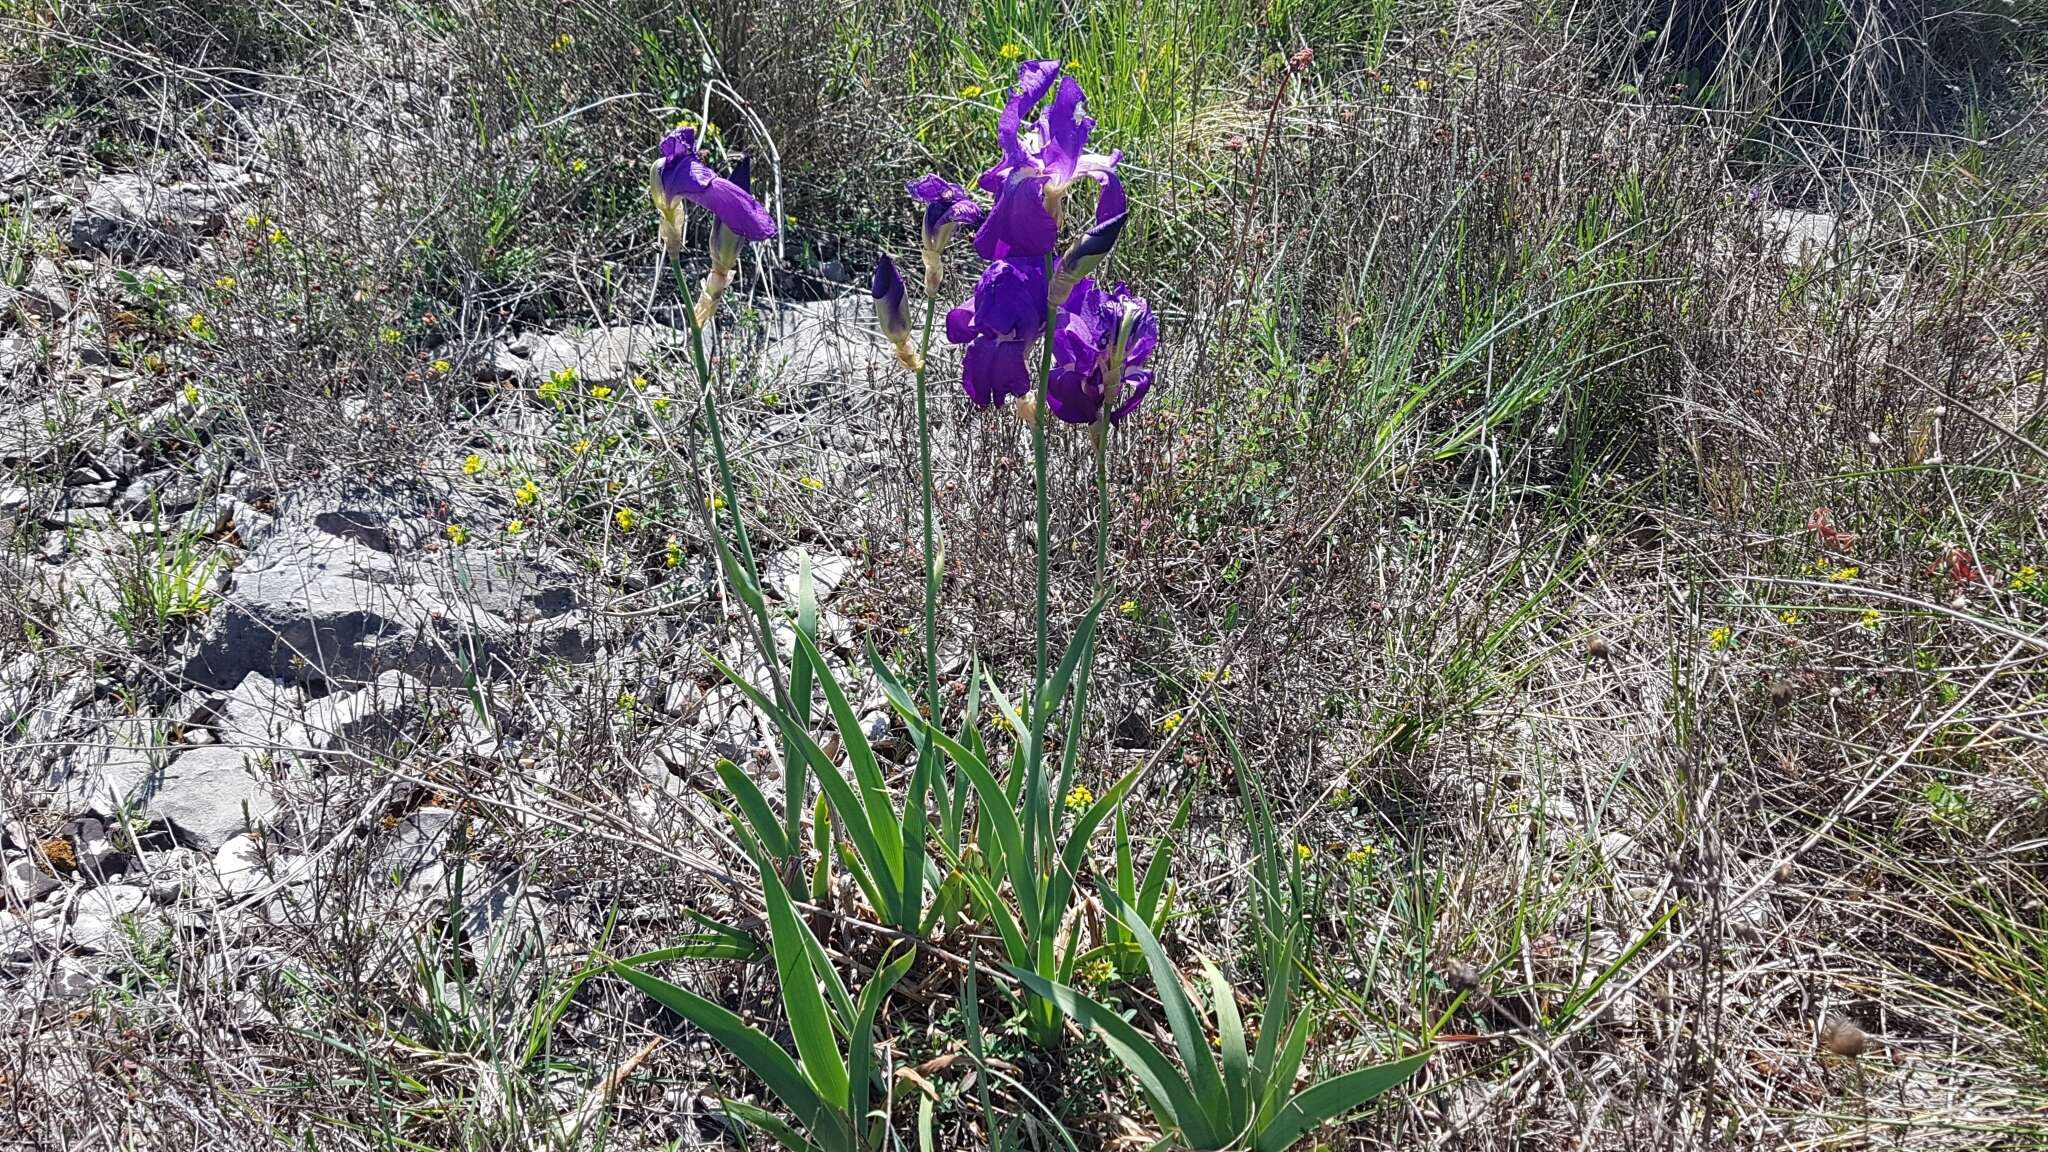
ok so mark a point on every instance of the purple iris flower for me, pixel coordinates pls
(1099, 350)
(946, 206)
(680, 176)
(1041, 159)
(999, 324)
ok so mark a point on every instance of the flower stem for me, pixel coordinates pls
(1041, 816)
(1102, 503)
(931, 555)
(749, 570)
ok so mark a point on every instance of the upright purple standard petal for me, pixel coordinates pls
(1063, 133)
(1034, 79)
(1055, 145)
(993, 371)
(892, 309)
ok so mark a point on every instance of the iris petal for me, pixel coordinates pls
(1019, 226)
(993, 370)
(733, 206)
(1064, 136)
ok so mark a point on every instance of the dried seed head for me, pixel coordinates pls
(1842, 1037)
(1599, 649)
(1461, 975)
(1781, 692)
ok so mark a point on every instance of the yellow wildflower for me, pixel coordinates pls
(1303, 852)
(812, 483)
(1844, 574)
(191, 394)
(640, 383)
(1171, 722)
(1080, 797)
(1871, 617)
(659, 403)
(579, 165)
(1422, 85)
(225, 283)
(971, 91)
(1129, 608)
(1360, 854)
(457, 533)
(562, 43)
(581, 446)
(472, 465)
(1719, 637)
(197, 325)
(718, 503)
(1009, 51)
(526, 493)
(673, 555)
(276, 234)
(625, 518)
(2026, 579)
(391, 335)
(514, 527)
(441, 367)
(1788, 617)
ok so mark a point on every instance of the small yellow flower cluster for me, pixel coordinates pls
(2027, 579)
(1304, 853)
(1009, 51)
(1788, 617)
(458, 533)
(562, 43)
(673, 554)
(1718, 639)
(526, 493)
(625, 518)
(1129, 609)
(659, 403)
(390, 335)
(515, 527)
(1871, 617)
(971, 91)
(812, 483)
(551, 389)
(580, 446)
(225, 283)
(601, 392)
(579, 165)
(1095, 972)
(1360, 854)
(198, 326)
(472, 465)
(1171, 722)
(441, 367)
(1081, 796)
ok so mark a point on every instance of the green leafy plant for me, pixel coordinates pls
(1238, 1098)
(829, 1090)
(1025, 837)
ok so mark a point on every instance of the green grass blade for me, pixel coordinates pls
(1174, 1103)
(1332, 1098)
(1188, 1034)
(860, 1052)
(1230, 1037)
(754, 806)
(809, 1025)
(748, 1044)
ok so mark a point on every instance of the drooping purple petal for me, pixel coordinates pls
(993, 371)
(683, 175)
(1136, 384)
(1072, 399)
(960, 324)
(733, 206)
(1009, 301)
(1019, 226)
(1102, 170)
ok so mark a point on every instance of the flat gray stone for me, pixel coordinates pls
(212, 794)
